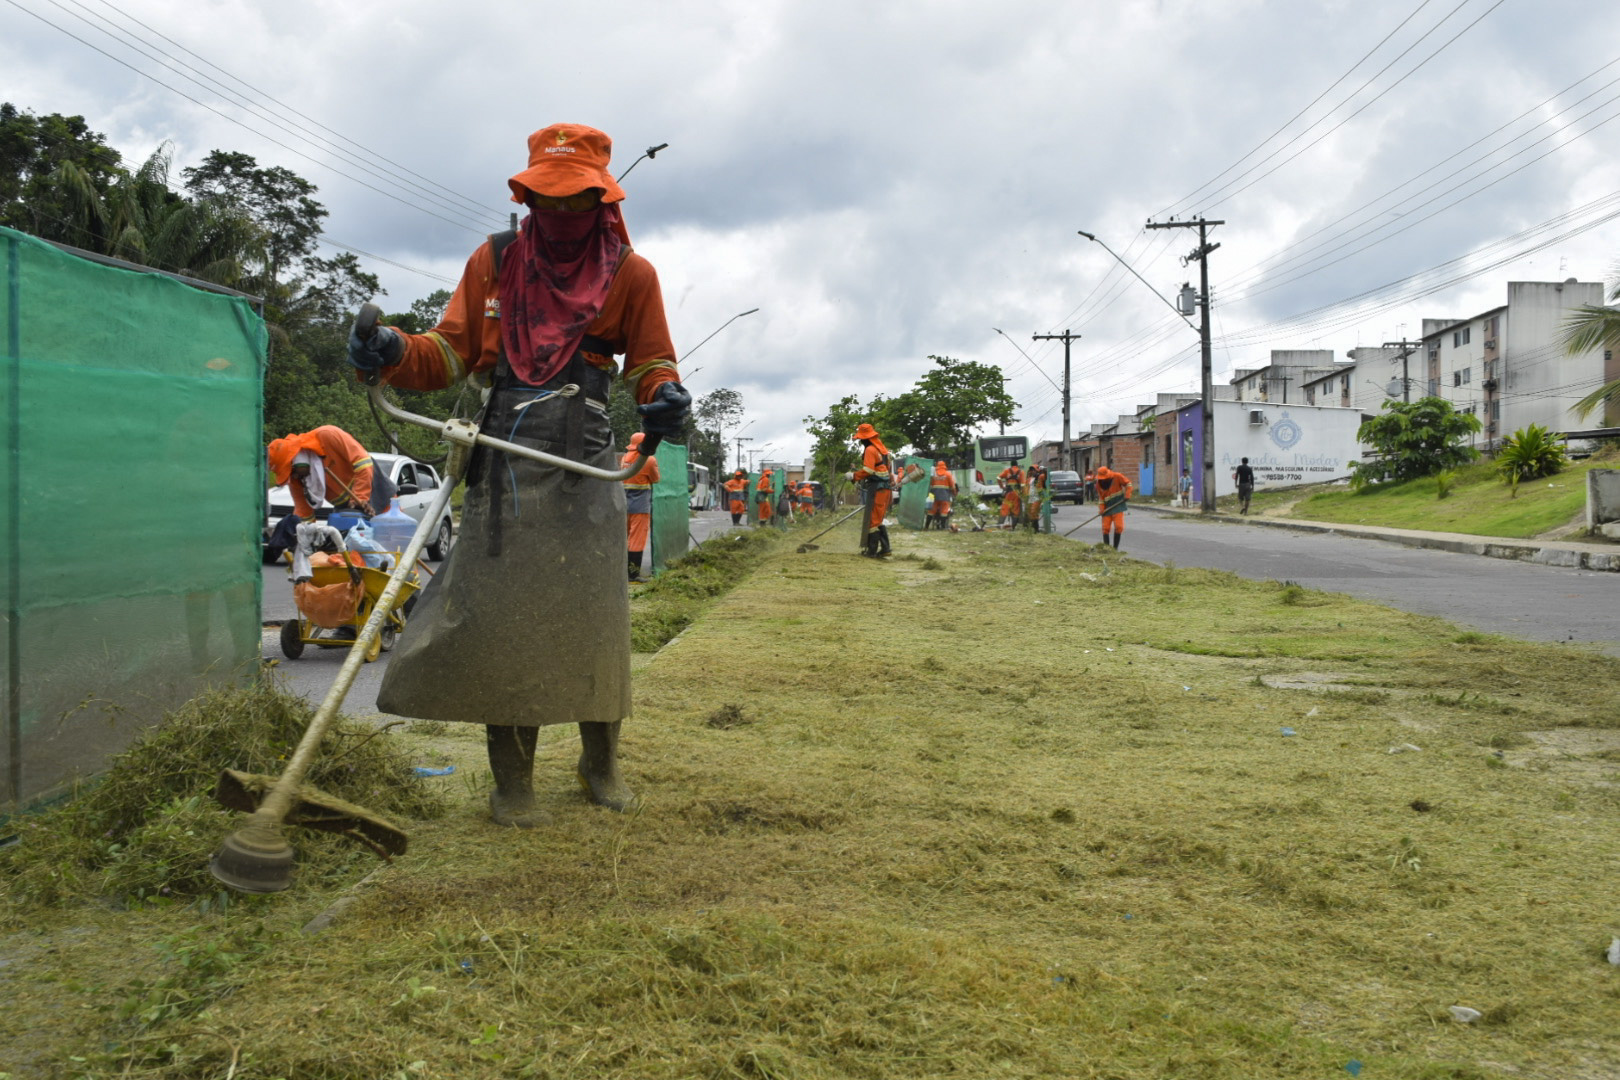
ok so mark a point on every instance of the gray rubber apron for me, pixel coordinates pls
(530, 626)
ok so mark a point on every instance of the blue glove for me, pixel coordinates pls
(666, 413)
(384, 349)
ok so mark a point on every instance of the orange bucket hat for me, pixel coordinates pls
(282, 451)
(565, 159)
(865, 431)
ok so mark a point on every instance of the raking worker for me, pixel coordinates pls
(1113, 492)
(528, 622)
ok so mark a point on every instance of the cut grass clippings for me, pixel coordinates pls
(1027, 810)
(669, 603)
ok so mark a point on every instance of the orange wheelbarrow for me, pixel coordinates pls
(323, 628)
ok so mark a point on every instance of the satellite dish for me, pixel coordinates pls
(1396, 385)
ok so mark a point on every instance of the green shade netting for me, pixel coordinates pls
(133, 495)
(671, 519)
(913, 499)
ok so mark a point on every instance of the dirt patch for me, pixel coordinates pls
(1588, 756)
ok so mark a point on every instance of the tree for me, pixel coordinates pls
(1413, 439)
(945, 406)
(715, 413)
(1527, 454)
(54, 172)
(278, 199)
(1588, 329)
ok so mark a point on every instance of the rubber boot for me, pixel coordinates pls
(635, 566)
(511, 760)
(599, 766)
(883, 541)
(736, 519)
(871, 544)
(1116, 541)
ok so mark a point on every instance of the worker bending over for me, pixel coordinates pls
(875, 477)
(528, 622)
(1113, 489)
(328, 464)
(638, 503)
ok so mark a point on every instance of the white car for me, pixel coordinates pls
(418, 484)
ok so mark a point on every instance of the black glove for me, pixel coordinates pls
(385, 348)
(665, 414)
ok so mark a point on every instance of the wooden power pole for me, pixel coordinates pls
(1066, 337)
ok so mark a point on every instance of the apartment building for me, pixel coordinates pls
(1370, 378)
(1508, 365)
(1282, 379)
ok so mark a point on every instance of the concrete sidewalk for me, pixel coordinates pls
(1564, 553)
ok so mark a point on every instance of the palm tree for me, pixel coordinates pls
(1590, 328)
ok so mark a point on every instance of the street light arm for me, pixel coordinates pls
(722, 326)
(1140, 278)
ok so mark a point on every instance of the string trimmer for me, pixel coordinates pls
(256, 857)
(808, 546)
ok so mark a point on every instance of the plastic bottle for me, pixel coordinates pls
(393, 528)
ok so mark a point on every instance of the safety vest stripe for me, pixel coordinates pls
(454, 366)
(1114, 504)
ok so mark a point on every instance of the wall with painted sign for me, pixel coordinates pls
(1287, 445)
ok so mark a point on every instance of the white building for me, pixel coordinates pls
(1286, 445)
(1508, 365)
(1283, 378)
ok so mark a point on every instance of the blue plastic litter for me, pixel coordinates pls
(422, 770)
(1353, 1067)
(1289, 731)
(466, 967)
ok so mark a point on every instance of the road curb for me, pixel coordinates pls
(1566, 555)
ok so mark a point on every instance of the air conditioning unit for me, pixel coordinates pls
(1256, 418)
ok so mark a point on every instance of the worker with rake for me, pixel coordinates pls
(638, 503)
(875, 477)
(1113, 492)
(528, 622)
(737, 496)
(942, 486)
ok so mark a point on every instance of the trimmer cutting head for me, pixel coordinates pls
(255, 858)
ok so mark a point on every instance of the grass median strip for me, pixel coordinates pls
(1011, 807)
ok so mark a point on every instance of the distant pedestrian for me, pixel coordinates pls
(1245, 483)
(1113, 489)
(1184, 488)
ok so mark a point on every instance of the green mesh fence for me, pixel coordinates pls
(133, 491)
(914, 496)
(671, 518)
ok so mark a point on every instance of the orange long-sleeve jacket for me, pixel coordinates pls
(467, 340)
(348, 467)
(644, 477)
(875, 464)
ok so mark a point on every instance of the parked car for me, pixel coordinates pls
(1065, 486)
(417, 484)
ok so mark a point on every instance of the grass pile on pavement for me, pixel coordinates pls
(1479, 504)
(670, 602)
(1027, 809)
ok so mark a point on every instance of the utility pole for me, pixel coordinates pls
(1066, 337)
(1406, 348)
(740, 440)
(1207, 376)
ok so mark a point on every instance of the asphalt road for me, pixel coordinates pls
(1498, 596)
(312, 673)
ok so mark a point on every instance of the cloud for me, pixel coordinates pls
(890, 181)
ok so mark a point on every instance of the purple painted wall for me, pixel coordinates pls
(1190, 446)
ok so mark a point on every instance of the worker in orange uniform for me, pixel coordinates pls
(737, 496)
(638, 503)
(875, 477)
(328, 464)
(1113, 491)
(538, 317)
(1035, 492)
(942, 486)
(765, 495)
(1011, 480)
(807, 498)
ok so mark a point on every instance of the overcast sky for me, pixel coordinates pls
(886, 181)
